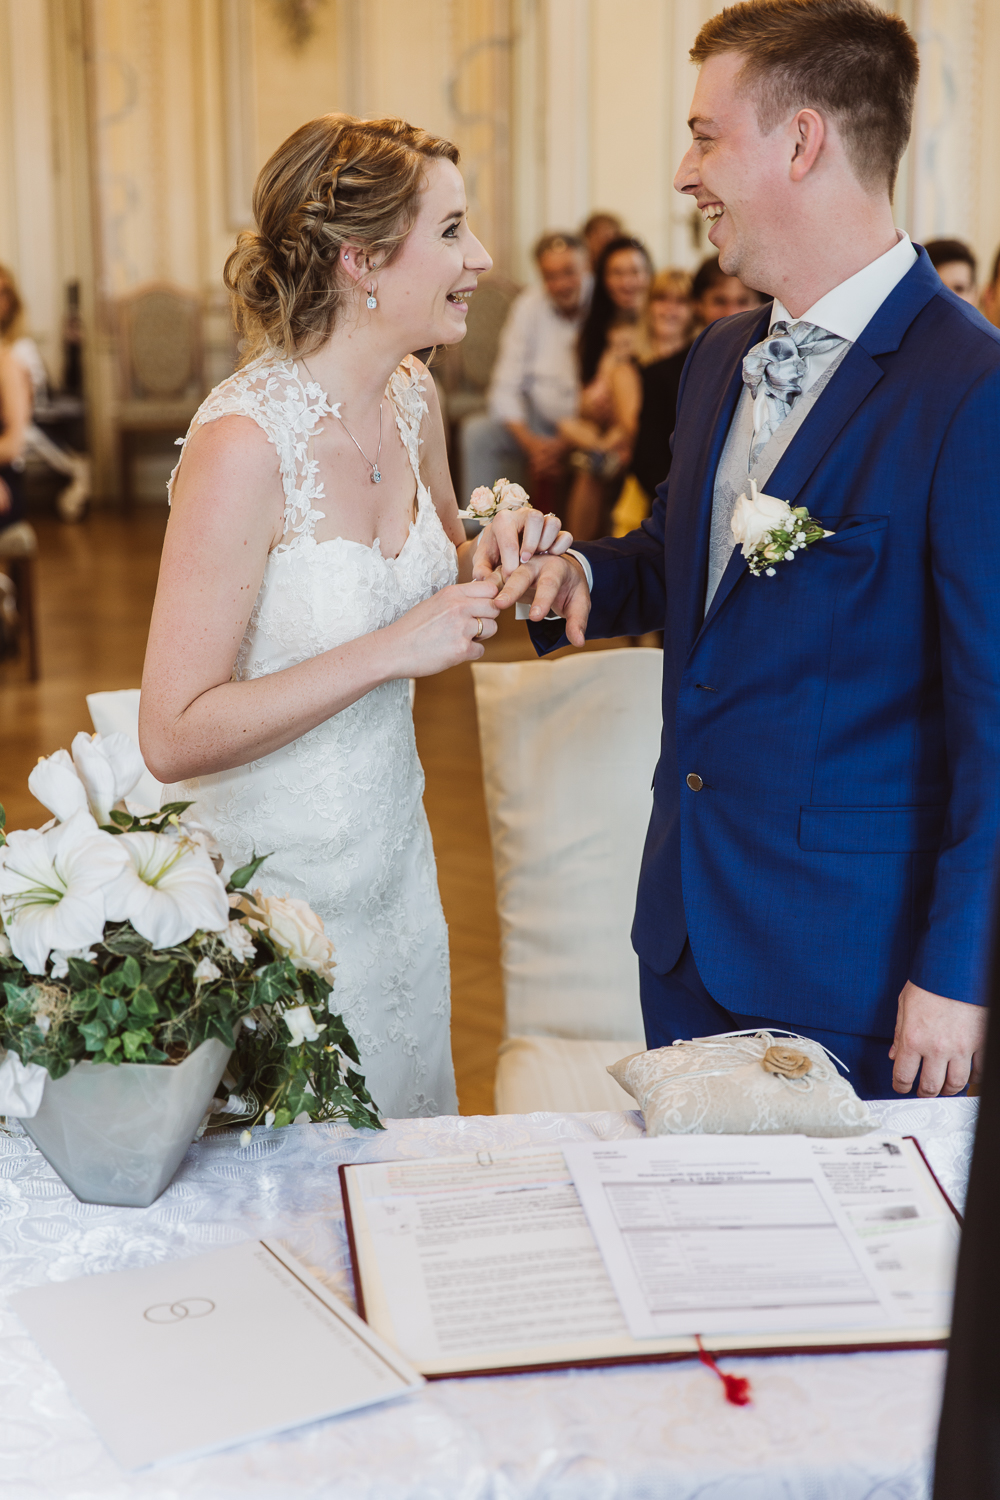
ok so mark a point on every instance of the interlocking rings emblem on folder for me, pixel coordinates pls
(176, 1312)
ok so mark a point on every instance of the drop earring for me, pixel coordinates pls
(371, 295)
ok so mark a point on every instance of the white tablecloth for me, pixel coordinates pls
(835, 1427)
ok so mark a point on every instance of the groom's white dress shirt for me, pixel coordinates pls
(848, 309)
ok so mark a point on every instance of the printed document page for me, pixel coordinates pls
(182, 1358)
(725, 1234)
(909, 1232)
(481, 1260)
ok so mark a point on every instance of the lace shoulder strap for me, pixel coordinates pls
(287, 411)
(406, 392)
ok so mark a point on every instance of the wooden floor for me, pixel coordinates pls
(95, 588)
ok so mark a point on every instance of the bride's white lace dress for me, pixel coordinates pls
(341, 808)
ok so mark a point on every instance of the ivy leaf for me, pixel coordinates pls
(132, 973)
(174, 807)
(111, 1047)
(112, 1010)
(240, 878)
(144, 1004)
(82, 975)
(95, 1034)
(127, 940)
(158, 972)
(134, 1041)
(281, 1117)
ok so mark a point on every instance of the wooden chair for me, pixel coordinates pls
(18, 555)
(161, 366)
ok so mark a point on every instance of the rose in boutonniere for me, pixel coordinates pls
(769, 530)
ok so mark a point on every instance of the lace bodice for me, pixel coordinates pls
(341, 807)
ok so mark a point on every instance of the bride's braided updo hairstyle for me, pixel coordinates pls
(337, 181)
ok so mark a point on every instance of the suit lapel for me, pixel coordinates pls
(852, 382)
(690, 521)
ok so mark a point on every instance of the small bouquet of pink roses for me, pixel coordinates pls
(484, 504)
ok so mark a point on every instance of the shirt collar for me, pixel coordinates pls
(848, 309)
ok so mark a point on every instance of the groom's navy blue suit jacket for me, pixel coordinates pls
(843, 715)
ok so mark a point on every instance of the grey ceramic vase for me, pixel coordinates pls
(117, 1135)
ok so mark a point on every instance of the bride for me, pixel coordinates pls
(309, 569)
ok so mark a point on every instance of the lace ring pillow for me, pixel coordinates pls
(743, 1083)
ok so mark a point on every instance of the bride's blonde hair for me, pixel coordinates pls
(336, 181)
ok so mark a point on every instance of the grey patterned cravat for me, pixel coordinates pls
(779, 362)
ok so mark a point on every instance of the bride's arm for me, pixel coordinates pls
(227, 514)
(436, 474)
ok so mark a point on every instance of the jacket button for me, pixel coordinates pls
(694, 781)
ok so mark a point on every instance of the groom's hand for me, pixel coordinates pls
(514, 537)
(944, 1039)
(559, 584)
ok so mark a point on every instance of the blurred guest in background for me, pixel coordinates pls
(534, 383)
(72, 501)
(956, 265)
(607, 341)
(717, 295)
(15, 412)
(645, 392)
(991, 296)
(600, 229)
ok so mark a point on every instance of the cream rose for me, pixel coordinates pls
(295, 928)
(753, 518)
(481, 502)
(510, 496)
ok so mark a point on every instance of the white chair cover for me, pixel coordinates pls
(118, 713)
(568, 752)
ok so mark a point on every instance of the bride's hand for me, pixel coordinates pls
(514, 537)
(448, 628)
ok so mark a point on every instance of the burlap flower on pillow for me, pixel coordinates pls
(786, 1062)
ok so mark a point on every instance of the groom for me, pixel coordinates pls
(827, 799)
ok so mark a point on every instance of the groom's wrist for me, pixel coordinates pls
(588, 571)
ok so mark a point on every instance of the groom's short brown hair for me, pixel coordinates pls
(847, 58)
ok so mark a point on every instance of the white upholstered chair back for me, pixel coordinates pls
(568, 751)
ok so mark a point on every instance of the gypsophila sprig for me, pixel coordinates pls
(121, 943)
(770, 531)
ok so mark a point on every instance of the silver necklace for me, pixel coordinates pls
(376, 476)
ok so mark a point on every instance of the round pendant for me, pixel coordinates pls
(376, 477)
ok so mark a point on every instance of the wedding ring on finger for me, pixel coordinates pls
(479, 628)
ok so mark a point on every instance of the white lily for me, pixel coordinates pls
(101, 771)
(109, 767)
(168, 889)
(53, 886)
(301, 1024)
(57, 786)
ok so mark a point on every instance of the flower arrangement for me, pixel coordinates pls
(769, 531)
(484, 504)
(121, 943)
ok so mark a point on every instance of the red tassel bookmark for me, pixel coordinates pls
(736, 1387)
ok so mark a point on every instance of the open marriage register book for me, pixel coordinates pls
(620, 1251)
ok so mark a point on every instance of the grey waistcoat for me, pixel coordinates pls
(733, 476)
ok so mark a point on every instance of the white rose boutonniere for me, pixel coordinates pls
(484, 504)
(769, 530)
